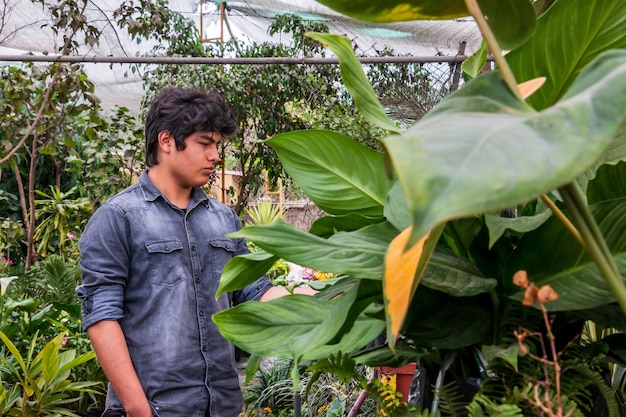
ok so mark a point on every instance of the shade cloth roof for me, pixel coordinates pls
(248, 20)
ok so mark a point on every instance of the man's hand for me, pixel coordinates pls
(110, 346)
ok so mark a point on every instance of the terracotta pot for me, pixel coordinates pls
(403, 376)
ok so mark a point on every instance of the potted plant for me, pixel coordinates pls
(416, 232)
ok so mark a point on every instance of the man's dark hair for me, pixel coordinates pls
(183, 112)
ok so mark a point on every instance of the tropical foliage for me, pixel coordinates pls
(425, 228)
(42, 379)
(428, 234)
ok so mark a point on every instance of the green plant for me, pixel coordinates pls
(420, 233)
(39, 384)
(15, 313)
(53, 131)
(11, 234)
(55, 213)
(39, 305)
(484, 406)
(104, 155)
(271, 388)
(35, 137)
(265, 212)
(53, 280)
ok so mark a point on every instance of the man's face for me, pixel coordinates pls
(193, 165)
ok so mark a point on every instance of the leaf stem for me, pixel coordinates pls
(494, 47)
(596, 246)
(566, 222)
(495, 301)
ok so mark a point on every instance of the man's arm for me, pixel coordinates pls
(276, 292)
(110, 346)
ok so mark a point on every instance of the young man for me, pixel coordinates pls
(151, 259)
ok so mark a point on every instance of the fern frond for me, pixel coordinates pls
(340, 365)
(607, 393)
(452, 401)
(61, 278)
(482, 406)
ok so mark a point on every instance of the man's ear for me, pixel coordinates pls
(166, 141)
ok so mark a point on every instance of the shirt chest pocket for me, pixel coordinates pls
(167, 262)
(221, 251)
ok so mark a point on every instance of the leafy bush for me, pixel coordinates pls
(38, 383)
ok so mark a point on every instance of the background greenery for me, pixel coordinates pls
(62, 156)
(428, 235)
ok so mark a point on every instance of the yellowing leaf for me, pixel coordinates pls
(528, 88)
(400, 268)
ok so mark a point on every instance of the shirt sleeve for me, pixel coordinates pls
(255, 290)
(104, 265)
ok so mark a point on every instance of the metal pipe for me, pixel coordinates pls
(225, 61)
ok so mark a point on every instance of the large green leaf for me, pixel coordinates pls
(327, 226)
(363, 331)
(359, 253)
(456, 276)
(482, 150)
(497, 225)
(362, 323)
(474, 63)
(511, 21)
(398, 10)
(459, 234)
(617, 150)
(615, 154)
(270, 328)
(336, 172)
(356, 81)
(441, 321)
(296, 326)
(243, 270)
(569, 36)
(396, 208)
(609, 183)
(552, 256)
(609, 316)
(50, 359)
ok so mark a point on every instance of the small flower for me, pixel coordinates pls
(308, 274)
(323, 276)
(6, 261)
(70, 236)
(521, 279)
(530, 295)
(267, 409)
(547, 294)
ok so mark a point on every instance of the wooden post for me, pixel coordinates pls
(222, 17)
(456, 68)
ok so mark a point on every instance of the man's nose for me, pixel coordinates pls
(213, 154)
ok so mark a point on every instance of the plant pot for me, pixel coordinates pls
(403, 377)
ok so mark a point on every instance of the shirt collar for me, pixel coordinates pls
(151, 193)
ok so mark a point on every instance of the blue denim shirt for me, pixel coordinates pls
(155, 268)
